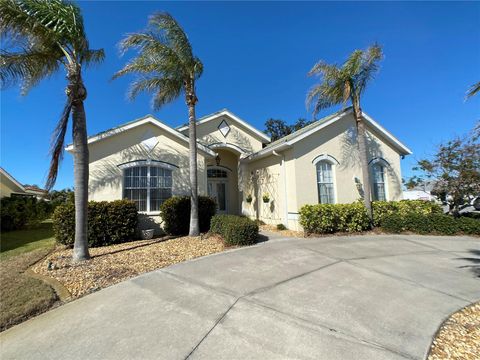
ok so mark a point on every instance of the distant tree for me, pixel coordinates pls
(277, 128)
(47, 35)
(347, 83)
(167, 67)
(59, 197)
(455, 170)
(474, 89)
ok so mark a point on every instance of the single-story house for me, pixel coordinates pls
(9, 186)
(147, 161)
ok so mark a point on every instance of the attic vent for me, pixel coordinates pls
(224, 128)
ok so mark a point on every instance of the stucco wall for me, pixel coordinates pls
(7, 187)
(106, 178)
(238, 135)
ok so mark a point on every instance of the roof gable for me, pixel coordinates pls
(318, 125)
(148, 119)
(264, 138)
(12, 179)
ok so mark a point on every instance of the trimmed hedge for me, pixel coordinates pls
(235, 230)
(430, 224)
(175, 213)
(108, 222)
(19, 211)
(330, 218)
(382, 209)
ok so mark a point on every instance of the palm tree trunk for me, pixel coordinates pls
(362, 145)
(192, 141)
(80, 170)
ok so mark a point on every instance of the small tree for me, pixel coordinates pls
(277, 128)
(455, 169)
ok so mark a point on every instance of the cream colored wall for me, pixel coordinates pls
(265, 176)
(208, 133)
(7, 187)
(339, 140)
(106, 180)
(229, 160)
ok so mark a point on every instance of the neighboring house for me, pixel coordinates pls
(418, 195)
(147, 161)
(9, 186)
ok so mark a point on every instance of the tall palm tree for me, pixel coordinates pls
(166, 66)
(40, 37)
(343, 84)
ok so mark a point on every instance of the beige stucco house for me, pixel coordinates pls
(9, 186)
(147, 161)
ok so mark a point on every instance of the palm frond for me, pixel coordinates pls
(323, 96)
(174, 35)
(93, 56)
(57, 145)
(474, 89)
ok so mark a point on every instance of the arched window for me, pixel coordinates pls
(216, 173)
(325, 184)
(148, 186)
(379, 182)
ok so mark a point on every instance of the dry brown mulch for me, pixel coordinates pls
(112, 264)
(459, 336)
(286, 233)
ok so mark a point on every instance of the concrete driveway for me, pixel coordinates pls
(358, 297)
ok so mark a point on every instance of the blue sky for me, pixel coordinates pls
(256, 56)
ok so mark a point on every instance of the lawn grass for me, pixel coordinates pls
(21, 296)
(14, 243)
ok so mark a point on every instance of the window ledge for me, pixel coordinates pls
(149, 212)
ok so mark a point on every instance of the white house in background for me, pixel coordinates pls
(147, 161)
(418, 195)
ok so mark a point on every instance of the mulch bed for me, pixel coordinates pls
(459, 336)
(112, 264)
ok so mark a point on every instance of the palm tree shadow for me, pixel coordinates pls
(475, 266)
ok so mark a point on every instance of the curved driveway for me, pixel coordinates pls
(359, 297)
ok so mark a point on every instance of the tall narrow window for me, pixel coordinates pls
(325, 183)
(379, 182)
(147, 186)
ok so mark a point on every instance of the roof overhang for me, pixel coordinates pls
(149, 119)
(232, 116)
(12, 179)
(281, 146)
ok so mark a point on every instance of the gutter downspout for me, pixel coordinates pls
(284, 175)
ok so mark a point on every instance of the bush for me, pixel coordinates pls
(19, 211)
(430, 224)
(382, 209)
(281, 227)
(175, 213)
(330, 218)
(235, 230)
(108, 222)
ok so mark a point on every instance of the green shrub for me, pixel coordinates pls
(330, 218)
(430, 224)
(108, 222)
(235, 230)
(281, 227)
(175, 213)
(19, 211)
(382, 209)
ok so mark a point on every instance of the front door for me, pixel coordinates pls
(217, 189)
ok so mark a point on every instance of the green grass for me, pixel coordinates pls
(14, 243)
(21, 296)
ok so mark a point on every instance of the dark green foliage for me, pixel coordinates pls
(108, 222)
(235, 230)
(281, 227)
(430, 224)
(330, 218)
(19, 211)
(382, 209)
(175, 214)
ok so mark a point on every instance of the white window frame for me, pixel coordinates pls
(386, 166)
(149, 164)
(333, 162)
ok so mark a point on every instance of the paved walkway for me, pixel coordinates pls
(359, 297)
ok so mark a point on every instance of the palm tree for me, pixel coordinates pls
(46, 35)
(166, 66)
(341, 84)
(474, 89)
